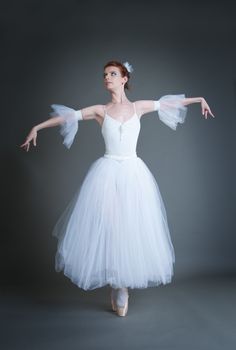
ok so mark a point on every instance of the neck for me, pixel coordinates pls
(118, 97)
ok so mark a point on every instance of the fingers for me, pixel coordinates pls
(23, 145)
(206, 111)
(211, 114)
(26, 145)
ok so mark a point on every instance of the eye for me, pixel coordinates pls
(112, 73)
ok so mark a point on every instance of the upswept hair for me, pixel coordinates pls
(123, 70)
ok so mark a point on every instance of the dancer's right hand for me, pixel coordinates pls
(31, 136)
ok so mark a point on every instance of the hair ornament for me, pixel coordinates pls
(128, 67)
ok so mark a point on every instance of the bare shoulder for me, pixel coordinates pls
(144, 106)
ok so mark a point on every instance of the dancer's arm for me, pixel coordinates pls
(65, 117)
(172, 108)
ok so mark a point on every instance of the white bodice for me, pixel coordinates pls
(120, 138)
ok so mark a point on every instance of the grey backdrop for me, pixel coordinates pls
(54, 52)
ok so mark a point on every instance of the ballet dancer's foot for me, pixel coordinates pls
(113, 299)
(122, 301)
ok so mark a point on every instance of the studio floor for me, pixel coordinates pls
(197, 313)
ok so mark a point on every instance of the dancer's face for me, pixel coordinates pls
(113, 78)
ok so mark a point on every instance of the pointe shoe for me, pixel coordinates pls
(122, 311)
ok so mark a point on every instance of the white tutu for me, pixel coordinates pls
(114, 231)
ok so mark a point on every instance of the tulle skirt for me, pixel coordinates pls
(114, 231)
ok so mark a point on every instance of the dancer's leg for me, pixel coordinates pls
(113, 298)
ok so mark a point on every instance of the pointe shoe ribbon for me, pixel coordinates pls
(113, 302)
(113, 305)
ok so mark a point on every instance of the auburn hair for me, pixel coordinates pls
(123, 70)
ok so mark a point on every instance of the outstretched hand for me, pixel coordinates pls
(206, 109)
(32, 136)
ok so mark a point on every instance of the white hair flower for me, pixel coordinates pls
(128, 67)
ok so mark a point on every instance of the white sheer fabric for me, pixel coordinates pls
(115, 230)
(171, 110)
(69, 127)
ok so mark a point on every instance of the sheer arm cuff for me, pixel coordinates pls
(171, 110)
(70, 125)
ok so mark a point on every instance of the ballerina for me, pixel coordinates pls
(114, 231)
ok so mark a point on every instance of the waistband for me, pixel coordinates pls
(119, 157)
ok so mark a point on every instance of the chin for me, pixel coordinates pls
(108, 88)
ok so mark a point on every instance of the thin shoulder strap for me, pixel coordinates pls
(134, 108)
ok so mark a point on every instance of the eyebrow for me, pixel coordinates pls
(113, 71)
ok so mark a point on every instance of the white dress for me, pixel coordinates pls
(114, 231)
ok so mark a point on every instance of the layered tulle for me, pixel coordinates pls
(70, 125)
(114, 231)
(171, 110)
